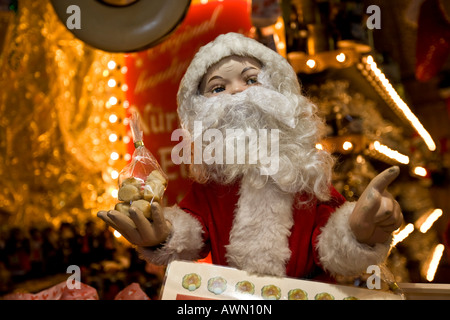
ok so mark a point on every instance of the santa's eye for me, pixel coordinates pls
(251, 80)
(218, 89)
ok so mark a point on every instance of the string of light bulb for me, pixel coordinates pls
(370, 70)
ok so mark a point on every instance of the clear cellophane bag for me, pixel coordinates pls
(142, 181)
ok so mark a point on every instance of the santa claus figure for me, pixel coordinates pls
(284, 219)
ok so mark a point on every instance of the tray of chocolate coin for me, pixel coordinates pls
(187, 280)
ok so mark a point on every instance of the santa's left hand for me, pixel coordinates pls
(376, 214)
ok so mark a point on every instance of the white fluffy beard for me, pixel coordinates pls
(301, 167)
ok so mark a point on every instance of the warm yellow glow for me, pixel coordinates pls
(437, 255)
(113, 137)
(279, 36)
(341, 57)
(114, 155)
(281, 45)
(420, 171)
(311, 63)
(114, 174)
(114, 193)
(429, 220)
(401, 235)
(400, 104)
(113, 118)
(117, 234)
(111, 64)
(393, 154)
(113, 101)
(112, 83)
(79, 77)
(347, 145)
(319, 146)
(197, 2)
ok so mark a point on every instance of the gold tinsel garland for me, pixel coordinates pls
(57, 121)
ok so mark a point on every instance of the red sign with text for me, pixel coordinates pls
(154, 75)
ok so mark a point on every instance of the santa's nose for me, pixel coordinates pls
(237, 87)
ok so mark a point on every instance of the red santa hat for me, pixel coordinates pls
(280, 74)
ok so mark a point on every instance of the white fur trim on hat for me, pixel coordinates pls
(282, 77)
(185, 243)
(339, 251)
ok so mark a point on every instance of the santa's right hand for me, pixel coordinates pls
(136, 228)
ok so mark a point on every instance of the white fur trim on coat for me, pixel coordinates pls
(261, 229)
(340, 252)
(185, 243)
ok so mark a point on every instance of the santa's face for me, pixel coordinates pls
(237, 95)
(232, 75)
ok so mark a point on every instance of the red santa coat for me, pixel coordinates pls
(319, 234)
(214, 206)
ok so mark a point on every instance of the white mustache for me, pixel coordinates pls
(268, 101)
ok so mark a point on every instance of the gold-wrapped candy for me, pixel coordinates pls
(144, 206)
(123, 207)
(128, 192)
